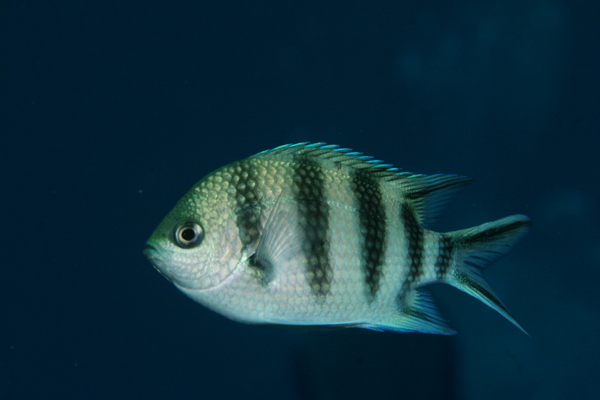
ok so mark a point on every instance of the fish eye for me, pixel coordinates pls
(188, 235)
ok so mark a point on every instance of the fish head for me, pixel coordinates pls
(196, 245)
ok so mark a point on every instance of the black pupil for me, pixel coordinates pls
(188, 234)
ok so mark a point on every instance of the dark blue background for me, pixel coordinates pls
(112, 110)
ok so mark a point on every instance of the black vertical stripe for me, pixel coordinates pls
(445, 253)
(244, 180)
(371, 213)
(416, 244)
(313, 214)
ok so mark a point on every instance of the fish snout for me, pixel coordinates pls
(153, 255)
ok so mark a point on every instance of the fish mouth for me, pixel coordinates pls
(153, 255)
(148, 248)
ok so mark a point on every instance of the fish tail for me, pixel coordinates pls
(478, 247)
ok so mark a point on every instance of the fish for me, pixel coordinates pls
(317, 235)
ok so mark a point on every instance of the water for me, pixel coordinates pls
(112, 111)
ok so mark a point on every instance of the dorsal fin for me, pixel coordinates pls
(341, 155)
(427, 194)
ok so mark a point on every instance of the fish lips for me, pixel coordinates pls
(153, 255)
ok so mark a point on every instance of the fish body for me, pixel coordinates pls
(318, 235)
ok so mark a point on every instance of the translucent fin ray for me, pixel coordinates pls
(418, 313)
(429, 194)
(279, 241)
(479, 246)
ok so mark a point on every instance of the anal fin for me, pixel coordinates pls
(418, 313)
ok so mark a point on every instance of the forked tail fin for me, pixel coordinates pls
(476, 248)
